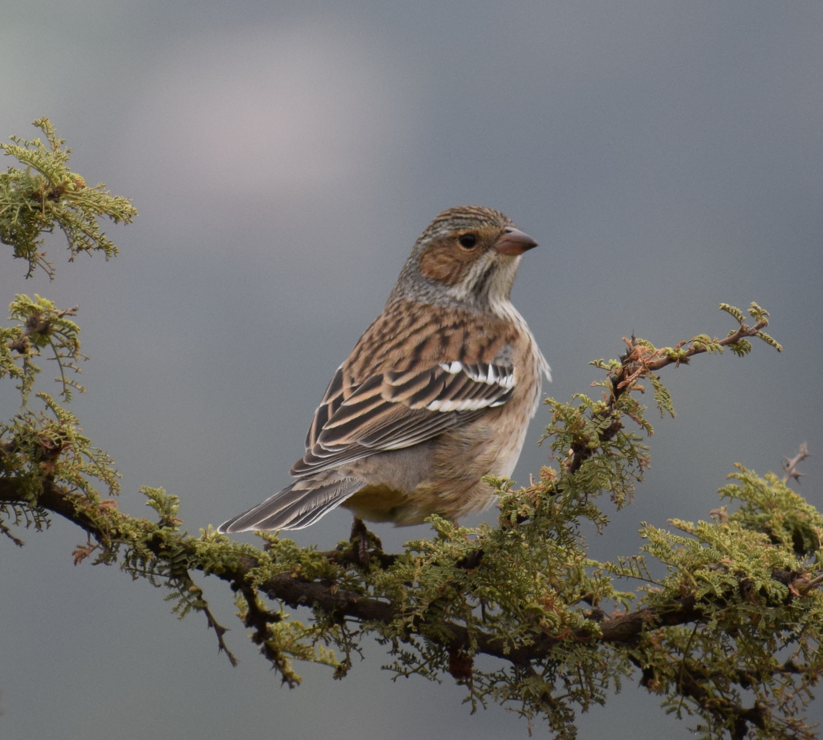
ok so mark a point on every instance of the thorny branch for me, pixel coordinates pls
(641, 361)
(623, 628)
(790, 463)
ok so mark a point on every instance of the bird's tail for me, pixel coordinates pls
(296, 506)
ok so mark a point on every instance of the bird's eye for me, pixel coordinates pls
(468, 241)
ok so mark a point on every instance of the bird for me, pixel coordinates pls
(436, 394)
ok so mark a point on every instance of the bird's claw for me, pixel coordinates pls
(360, 542)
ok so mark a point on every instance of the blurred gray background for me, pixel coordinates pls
(284, 156)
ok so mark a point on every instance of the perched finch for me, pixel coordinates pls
(437, 393)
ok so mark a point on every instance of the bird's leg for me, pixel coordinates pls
(360, 541)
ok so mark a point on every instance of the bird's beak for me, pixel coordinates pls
(514, 242)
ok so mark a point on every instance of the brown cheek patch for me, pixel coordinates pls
(440, 262)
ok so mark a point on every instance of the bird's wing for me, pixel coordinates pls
(393, 410)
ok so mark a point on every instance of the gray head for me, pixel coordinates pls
(467, 256)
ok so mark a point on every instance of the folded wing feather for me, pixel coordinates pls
(390, 411)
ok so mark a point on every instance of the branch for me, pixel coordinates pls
(623, 628)
(642, 360)
(790, 463)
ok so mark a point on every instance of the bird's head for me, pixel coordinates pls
(468, 255)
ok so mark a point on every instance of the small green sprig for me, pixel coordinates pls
(41, 325)
(45, 194)
(49, 445)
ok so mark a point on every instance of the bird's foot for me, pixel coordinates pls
(359, 539)
(364, 549)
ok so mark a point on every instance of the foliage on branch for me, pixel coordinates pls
(517, 613)
(45, 194)
(41, 325)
